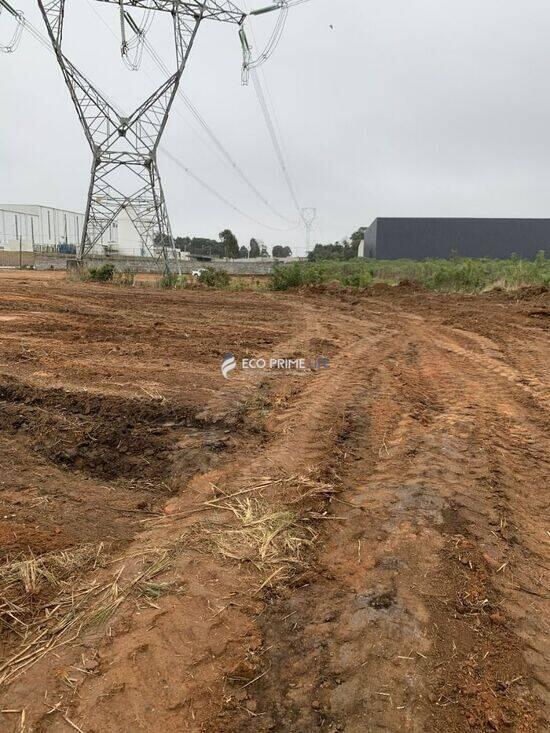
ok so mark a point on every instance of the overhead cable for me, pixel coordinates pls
(44, 42)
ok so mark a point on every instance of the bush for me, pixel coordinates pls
(458, 274)
(101, 274)
(172, 281)
(125, 278)
(287, 276)
(353, 274)
(214, 278)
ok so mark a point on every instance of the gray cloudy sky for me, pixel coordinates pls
(422, 108)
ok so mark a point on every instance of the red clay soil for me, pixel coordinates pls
(404, 488)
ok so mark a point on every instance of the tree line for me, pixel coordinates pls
(227, 246)
(345, 250)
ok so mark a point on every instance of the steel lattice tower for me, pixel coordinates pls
(129, 144)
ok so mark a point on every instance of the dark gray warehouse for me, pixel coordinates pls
(396, 238)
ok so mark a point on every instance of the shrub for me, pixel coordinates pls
(287, 276)
(172, 281)
(214, 278)
(457, 274)
(125, 278)
(353, 274)
(101, 274)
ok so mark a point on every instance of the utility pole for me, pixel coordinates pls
(308, 217)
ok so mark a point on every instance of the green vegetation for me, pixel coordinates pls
(104, 274)
(214, 278)
(173, 281)
(345, 250)
(351, 273)
(101, 274)
(457, 274)
(281, 252)
(230, 243)
(211, 277)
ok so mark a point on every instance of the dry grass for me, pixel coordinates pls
(47, 602)
(274, 534)
(41, 620)
(30, 573)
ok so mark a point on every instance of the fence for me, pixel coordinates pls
(58, 261)
(8, 258)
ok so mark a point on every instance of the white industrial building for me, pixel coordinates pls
(43, 228)
(38, 227)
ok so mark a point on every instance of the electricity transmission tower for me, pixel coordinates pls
(124, 172)
(308, 217)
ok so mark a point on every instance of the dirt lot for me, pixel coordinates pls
(363, 547)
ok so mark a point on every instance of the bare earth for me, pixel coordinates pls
(400, 498)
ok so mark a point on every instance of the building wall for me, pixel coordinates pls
(369, 240)
(47, 227)
(420, 238)
(129, 241)
(53, 226)
(17, 230)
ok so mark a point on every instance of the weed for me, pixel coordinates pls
(126, 278)
(214, 278)
(172, 281)
(101, 274)
(453, 275)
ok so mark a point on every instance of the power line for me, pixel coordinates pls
(273, 135)
(204, 125)
(200, 119)
(215, 193)
(38, 36)
(268, 117)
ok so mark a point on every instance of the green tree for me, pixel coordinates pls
(254, 248)
(280, 252)
(336, 251)
(356, 238)
(231, 244)
(263, 251)
(243, 253)
(182, 243)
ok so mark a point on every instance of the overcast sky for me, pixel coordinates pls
(394, 108)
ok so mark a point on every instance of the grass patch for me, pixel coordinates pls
(172, 281)
(125, 278)
(454, 275)
(210, 277)
(48, 602)
(273, 536)
(106, 273)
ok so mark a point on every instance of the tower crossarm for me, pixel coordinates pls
(223, 10)
(97, 115)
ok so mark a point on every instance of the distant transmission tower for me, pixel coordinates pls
(308, 217)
